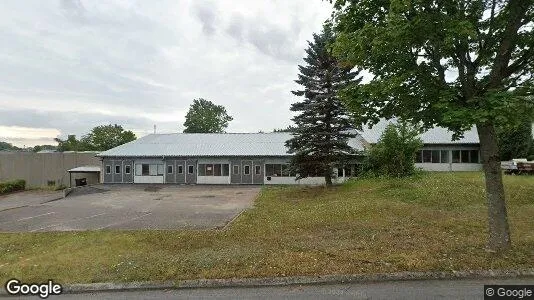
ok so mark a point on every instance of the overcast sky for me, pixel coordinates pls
(69, 65)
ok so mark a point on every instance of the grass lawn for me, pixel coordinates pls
(433, 222)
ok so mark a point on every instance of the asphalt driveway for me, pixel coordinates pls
(125, 207)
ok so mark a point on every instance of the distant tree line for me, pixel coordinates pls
(101, 138)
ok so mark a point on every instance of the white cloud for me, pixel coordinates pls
(143, 62)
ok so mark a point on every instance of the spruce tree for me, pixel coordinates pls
(320, 139)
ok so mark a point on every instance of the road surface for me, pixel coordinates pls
(428, 289)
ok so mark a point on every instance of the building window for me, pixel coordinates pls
(257, 170)
(169, 169)
(213, 170)
(149, 169)
(236, 170)
(180, 169)
(145, 170)
(435, 156)
(465, 156)
(117, 169)
(209, 170)
(108, 169)
(190, 169)
(427, 156)
(127, 169)
(455, 156)
(474, 157)
(217, 170)
(419, 156)
(444, 156)
(246, 170)
(277, 170)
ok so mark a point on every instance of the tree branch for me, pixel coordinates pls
(517, 10)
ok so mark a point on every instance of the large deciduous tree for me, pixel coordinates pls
(105, 137)
(206, 117)
(101, 138)
(70, 144)
(449, 63)
(321, 134)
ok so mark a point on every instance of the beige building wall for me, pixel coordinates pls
(39, 168)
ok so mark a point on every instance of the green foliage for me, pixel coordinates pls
(449, 63)
(322, 124)
(515, 142)
(43, 147)
(287, 129)
(410, 46)
(71, 144)
(393, 155)
(105, 137)
(101, 138)
(206, 117)
(5, 146)
(12, 186)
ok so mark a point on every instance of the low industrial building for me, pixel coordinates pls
(260, 158)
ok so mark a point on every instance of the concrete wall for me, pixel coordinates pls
(213, 179)
(462, 167)
(39, 168)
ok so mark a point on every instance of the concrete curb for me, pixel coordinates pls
(294, 280)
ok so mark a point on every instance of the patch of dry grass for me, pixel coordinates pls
(433, 222)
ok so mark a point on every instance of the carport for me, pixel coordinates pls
(84, 175)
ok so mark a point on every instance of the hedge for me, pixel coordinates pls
(12, 186)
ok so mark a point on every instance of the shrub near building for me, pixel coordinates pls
(394, 154)
(12, 186)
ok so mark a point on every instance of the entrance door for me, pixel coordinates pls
(246, 174)
(257, 172)
(191, 171)
(180, 171)
(235, 171)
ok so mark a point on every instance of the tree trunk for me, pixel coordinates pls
(499, 232)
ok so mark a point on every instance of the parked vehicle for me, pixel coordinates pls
(518, 166)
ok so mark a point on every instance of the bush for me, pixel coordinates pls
(12, 186)
(530, 158)
(394, 154)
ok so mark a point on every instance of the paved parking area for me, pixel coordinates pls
(126, 207)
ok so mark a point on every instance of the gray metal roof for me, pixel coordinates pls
(210, 144)
(436, 135)
(85, 169)
(252, 144)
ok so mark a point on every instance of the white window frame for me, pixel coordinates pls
(172, 169)
(235, 167)
(245, 170)
(257, 170)
(126, 169)
(108, 166)
(116, 169)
